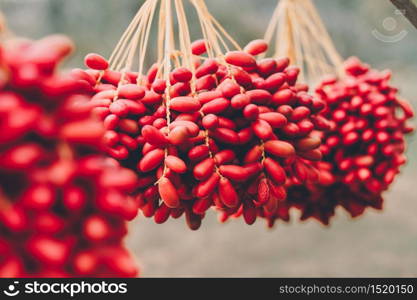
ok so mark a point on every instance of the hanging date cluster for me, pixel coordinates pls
(227, 133)
(62, 204)
(364, 149)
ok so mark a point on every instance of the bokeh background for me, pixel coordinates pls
(376, 244)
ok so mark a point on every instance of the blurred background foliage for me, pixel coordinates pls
(378, 244)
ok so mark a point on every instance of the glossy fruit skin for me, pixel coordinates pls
(196, 134)
(63, 204)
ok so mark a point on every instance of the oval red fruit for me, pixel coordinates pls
(279, 148)
(275, 171)
(151, 160)
(240, 59)
(96, 62)
(184, 104)
(256, 47)
(168, 193)
(227, 193)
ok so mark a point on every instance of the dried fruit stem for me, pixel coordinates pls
(297, 25)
